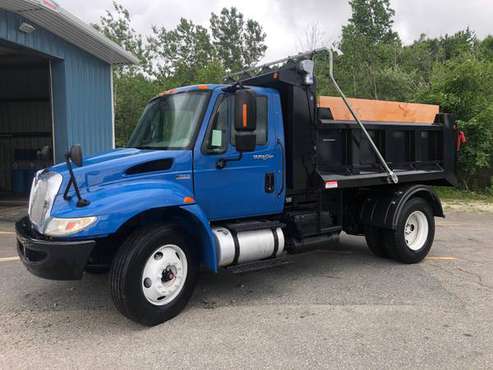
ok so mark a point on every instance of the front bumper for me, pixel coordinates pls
(51, 259)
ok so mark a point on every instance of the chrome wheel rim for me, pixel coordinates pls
(416, 230)
(164, 274)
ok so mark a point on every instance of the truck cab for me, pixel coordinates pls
(221, 175)
(227, 186)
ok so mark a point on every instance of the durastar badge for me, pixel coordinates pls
(263, 157)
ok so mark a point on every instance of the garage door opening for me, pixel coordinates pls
(26, 122)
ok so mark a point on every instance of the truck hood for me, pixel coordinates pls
(126, 164)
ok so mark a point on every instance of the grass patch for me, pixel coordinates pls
(454, 194)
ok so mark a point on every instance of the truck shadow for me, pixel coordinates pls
(288, 281)
(299, 279)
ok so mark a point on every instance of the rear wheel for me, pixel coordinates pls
(415, 232)
(375, 239)
(153, 274)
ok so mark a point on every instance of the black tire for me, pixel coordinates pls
(395, 242)
(128, 266)
(375, 239)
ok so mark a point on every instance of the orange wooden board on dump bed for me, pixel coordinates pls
(379, 110)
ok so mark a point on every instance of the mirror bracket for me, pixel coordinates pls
(77, 152)
(234, 87)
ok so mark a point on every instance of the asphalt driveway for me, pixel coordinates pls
(337, 308)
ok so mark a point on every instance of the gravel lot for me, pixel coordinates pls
(337, 308)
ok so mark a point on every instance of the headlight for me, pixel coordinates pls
(67, 226)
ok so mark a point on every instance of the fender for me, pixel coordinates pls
(203, 230)
(382, 209)
(115, 204)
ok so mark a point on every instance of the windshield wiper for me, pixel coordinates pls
(151, 147)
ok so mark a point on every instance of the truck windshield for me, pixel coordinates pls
(170, 122)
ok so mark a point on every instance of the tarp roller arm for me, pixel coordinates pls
(392, 176)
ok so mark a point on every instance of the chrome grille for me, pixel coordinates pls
(43, 192)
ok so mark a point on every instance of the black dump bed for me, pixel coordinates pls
(415, 152)
(322, 153)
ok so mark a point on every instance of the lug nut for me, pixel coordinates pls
(147, 282)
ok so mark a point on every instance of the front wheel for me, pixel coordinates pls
(411, 241)
(153, 274)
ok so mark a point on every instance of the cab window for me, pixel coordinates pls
(217, 136)
(222, 126)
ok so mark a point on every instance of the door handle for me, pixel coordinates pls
(221, 163)
(269, 182)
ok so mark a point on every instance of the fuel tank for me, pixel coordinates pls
(246, 246)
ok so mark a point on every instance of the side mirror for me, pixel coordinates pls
(245, 110)
(245, 120)
(245, 141)
(76, 154)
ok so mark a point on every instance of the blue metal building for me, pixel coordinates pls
(56, 88)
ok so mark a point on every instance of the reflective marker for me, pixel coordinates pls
(443, 258)
(331, 184)
(8, 259)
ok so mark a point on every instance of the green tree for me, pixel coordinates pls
(457, 45)
(116, 25)
(238, 43)
(132, 92)
(373, 20)
(368, 43)
(464, 86)
(477, 154)
(181, 52)
(486, 48)
(185, 55)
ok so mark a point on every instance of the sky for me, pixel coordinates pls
(287, 22)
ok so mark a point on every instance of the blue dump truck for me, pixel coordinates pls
(221, 175)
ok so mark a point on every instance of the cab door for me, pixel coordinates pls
(231, 185)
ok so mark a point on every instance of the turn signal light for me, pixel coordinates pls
(168, 92)
(245, 116)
